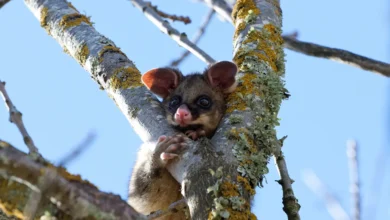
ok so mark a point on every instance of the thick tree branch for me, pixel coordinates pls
(3, 2)
(196, 39)
(352, 154)
(165, 27)
(338, 55)
(15, 116)
(258, 51)
(333, 206)
(68, 193)
(184, 19)
(316, 50)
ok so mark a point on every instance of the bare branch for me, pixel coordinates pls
(332, 204)
(184, 19)
(338, 55)
(15, 117)
(165, 27)
(81, 147)
(196, 39)
(289, 199)
(316, 50)
(221, 7)
(67, 192)
(3, 2)
(352, 154)
(174, 207)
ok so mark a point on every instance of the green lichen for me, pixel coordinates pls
(235, 119)
(82, 54)
(125, 77)
(71, 20)
(227, 202)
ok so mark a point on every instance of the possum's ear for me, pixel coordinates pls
(161, 81)
(222, 74)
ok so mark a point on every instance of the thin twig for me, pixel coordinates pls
(197, 37)
(15, 117)
(184, 19)
(221, 7)
(164, 26)
(352, 154)
(3, 2)
(339, 55)
(332, 204)
(81, 147)
(316, 50)
(290, 203)
(174, 207)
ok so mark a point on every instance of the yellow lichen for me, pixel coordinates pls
(70, 177)
(109, 48)
(13, 203)
(242, 7)
(241, 26)
(43, 19)
(124, 78)
(245, 183)
(235, 100)
(229, 189)
(265, 41)
(4, 144)
(82, 54)
(74, 19)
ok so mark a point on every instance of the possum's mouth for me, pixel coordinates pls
(188, 127)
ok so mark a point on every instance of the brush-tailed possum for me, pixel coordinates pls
(194, 104)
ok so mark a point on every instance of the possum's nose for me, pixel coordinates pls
(183, 114)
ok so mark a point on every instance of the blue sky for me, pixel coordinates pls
(329, 103)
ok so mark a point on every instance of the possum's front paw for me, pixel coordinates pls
(169, 148)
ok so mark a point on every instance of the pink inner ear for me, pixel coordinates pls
(160, 81)
(222, 74)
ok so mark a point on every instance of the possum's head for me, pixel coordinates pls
(195, 101)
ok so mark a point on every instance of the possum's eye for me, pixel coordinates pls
(204, 102)
(175, 101)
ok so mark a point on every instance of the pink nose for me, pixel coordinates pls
(183, 113)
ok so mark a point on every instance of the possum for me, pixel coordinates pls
(194, 104)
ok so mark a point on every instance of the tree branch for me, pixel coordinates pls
(221, 7)
(332, 204)
(258, 49)
(316, 50)
(338, 55)
(3, 2)
(184, 19)
(68, 193)
(196, 39)
(165, 27)
(15, 117)
(78, 150)
(352, 154)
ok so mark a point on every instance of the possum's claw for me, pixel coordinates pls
(194, 135)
